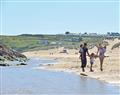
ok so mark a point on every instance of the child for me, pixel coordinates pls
(81, 51)
(92, 56)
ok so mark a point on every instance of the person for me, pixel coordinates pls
(81, 50)
(84, 59)
(101, 51)
(92, 56)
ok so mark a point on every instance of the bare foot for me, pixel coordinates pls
(101, 69)
(91, 70)
(83, 69)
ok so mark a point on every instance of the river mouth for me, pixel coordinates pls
(27, 80)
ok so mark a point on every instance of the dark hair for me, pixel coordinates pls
(100, 44)
(81, 45)
(92, 54)
(105, 47)
(85, 44)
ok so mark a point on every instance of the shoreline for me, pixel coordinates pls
(79, 74)
(71, 63)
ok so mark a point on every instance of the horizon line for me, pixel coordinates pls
(50, 34)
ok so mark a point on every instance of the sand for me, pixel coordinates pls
(71, 63)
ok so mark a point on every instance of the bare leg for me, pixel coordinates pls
(83, 69)
(101, 63)
(91, 70)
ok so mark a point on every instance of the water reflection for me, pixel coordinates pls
(26, 80)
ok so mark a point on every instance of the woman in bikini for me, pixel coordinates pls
(101, 51)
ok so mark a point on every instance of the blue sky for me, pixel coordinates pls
(56, 17)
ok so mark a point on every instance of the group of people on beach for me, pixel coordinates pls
(100, 53)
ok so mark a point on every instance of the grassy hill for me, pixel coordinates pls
(27, 42)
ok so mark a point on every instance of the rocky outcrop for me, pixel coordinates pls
(10, 54)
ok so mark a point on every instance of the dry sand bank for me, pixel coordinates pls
(71, 63)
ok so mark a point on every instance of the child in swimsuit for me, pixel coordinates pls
(92, 57)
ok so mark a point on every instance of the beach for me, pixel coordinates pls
(70, 62)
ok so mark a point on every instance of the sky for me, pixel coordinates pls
(57, 17)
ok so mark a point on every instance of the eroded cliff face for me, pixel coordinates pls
(7, 54)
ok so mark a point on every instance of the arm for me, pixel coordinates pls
(88, 53)
(79, 56)
(97, 51)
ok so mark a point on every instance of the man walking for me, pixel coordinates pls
(84, 59)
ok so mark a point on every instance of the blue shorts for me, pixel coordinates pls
(91, 62)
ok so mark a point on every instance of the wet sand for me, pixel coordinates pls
(71, 63)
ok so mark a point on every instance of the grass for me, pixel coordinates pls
(33, 42)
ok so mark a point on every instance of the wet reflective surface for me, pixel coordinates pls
(26, 80)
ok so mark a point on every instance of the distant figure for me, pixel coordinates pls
(84, 59)
(101, 51)
(92, 57)
(51, 53)
(64, 51)
(81, 50)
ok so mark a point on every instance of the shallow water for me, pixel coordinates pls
(26, 80)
